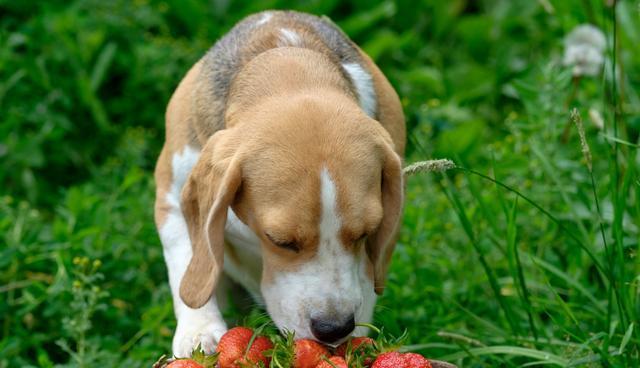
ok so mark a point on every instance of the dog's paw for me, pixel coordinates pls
(190, 334)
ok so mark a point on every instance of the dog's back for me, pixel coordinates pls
(271, 29)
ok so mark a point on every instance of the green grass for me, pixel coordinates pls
(524, 255)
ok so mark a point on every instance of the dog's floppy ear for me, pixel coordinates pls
(381, 243)
(206, 197)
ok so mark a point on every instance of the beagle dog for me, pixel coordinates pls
(282, 168)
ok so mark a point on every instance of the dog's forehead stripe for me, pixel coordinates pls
(329, 219)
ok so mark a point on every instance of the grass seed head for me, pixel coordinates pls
(441, 165)
(586, 152)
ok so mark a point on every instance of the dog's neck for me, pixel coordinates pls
(282, 72)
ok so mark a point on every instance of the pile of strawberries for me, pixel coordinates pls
(242, 347)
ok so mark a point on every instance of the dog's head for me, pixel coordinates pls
(321, 186)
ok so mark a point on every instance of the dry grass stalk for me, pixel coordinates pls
(586, 152)
(429, 166)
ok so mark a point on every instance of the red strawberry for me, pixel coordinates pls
(256, 353)
(233, 344)
(184, 363)
(308, 353)
(391, 359)
(398, 360)
(413, 360)
(356, 342)
(337, 361)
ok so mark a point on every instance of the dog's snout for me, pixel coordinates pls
(329, 330)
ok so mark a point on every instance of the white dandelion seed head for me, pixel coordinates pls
(584, 50)
(587, 34)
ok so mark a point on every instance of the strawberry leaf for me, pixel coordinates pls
(283, 352)
(207, 361)
(162, 361)
(388, 343)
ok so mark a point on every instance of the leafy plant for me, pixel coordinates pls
(86, 301)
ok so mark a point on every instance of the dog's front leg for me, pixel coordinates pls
(204, 325)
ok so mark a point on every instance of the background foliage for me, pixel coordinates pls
(481, 277)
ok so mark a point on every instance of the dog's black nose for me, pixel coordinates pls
(330, 330)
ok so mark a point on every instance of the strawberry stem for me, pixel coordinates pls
(256, 332)
(251, 340)
(368, 325)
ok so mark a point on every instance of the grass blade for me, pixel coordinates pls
(618, 140)
(625, 339)
(102, 65)
(594, 259)
(466, 224)
(516, 266)
(569, 280)
(542, 356)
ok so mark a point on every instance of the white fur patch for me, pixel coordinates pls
(247, 248)
(181, 165)
(205, 325)
(264, 19)
(363, 83)
(330, 221)
(174, 233)
(289, 38)
(334, 280)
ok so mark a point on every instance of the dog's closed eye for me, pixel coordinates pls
(284, 244)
